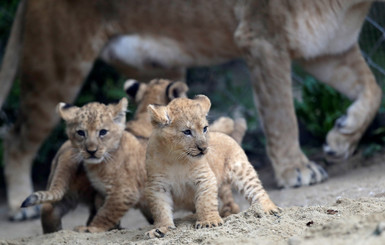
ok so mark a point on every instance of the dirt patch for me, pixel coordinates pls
(349, 208)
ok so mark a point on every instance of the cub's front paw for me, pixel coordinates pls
(307, 174)
(159, 232)
(270, 208)
(89, 229)
(208, 223)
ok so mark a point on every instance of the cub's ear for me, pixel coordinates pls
(66, 111)
(204, 101)
(119, 111)
(159, 115)
(134, 89)
(176, 90)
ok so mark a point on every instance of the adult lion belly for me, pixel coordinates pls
(185, 34)
(163, 52)
(313, 33)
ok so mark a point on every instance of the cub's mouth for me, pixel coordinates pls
(93, 160)
(200, 154)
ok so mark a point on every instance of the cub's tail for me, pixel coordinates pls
(240, 128)
(234, 128)
(12, 54)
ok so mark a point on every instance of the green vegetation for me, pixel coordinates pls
(7, 11)
(320, 107)
(229, 88)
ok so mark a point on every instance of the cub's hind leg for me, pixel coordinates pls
(52, 213)
(245, 179)
(229, 206)
(236, 129)
(50, 218)
(145, 210)
(113, 209)
(349, 74)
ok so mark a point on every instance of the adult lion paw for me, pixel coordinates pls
(89, 229)
(308, 174)
(26, 213)
(214, 222)
(339, 145)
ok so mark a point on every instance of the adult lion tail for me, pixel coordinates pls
(12, 54)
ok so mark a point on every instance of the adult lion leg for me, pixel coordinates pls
(349, 74)
(53, 67)
(270, 68)
(12, 54)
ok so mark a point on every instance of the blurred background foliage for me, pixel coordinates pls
(319, 106)
(228, 86)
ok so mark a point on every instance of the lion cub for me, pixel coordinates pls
(69, 184)
(111, 157)
(186, 165)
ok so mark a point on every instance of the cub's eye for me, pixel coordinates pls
(81, 133)
(205, 129)
(103, 132)
(187, 132)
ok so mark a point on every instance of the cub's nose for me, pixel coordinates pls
(202, 149)
(92, 152)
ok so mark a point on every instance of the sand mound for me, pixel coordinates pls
(347, 221)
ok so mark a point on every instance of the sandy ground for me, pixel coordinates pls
(349, 208)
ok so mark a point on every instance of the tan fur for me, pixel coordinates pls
(68, 183)
(153, 92)
(156, 93)
(186, 165)
(236, 129)
(61, 40)
(112, 159)
(161, 92)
